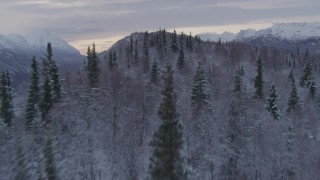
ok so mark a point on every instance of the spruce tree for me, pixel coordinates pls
(258, 81)
(92, 66)
(271, 105)
(33, 97)
(146, 43)
(307, 77)
(154, 72)
(136, 57)
(312, 89)
(199, 98)
(293, 101)
(6, 112)
(54, 74)
(46, 97)
(50, 168)
(180, 61)
(174, 43)
(238, 84)
(114, 60)
(166, 161)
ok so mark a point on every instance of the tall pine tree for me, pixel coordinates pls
(92, 66)
(307, 77)
(294, 99)
(238, 84)
(174, 43)
(199, 98)
(166, 161)
(180, 61)
(54, 74)
(258, 81)
(33, 97)
(6, 111)
(271, 105)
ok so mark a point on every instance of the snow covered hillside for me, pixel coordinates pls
(246, 112)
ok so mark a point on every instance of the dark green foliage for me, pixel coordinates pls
(271, 105)
(293, 101)
(307, 77)
(180, 62)
(199, 99)
(136, 57)
(112, 60)
(50, 168)
(258, 81)
(189, 42)
(33, 97)
(6, 111)
(92, 66)
(154, 72)
(146, 43)
(46, 98)
(131, 46)
(238, 84)
(312, 89)
(166, 161)
(291, 77)
(54, 74)
(174, 43)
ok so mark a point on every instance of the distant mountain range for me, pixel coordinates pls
(16, 52)
(287, 36)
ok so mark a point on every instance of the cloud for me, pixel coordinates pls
(75, 20)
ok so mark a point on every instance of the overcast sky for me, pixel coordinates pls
(81, 22)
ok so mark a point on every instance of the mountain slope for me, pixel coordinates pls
(16, 52)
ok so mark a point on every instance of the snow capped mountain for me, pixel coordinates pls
(16, 52)
(40, 38)
(226, 36)
(285, 31)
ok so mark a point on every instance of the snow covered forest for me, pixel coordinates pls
(162, 105)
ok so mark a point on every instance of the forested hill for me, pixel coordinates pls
(245, 113)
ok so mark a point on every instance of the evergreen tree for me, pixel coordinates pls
(271, 105)
(174, 43)
(189, 42)
(50, 168)
(166, 161)
(33, 97)
(291, 77)
(6, 112)
(92, 66)
(113, 60)
(307, 77)
(258, 81)
(180, 61)
(312, 89)
(136, 57)
(54, 74)
(238, 84)
(131, 46)
(199, 98)
(46, 98)
(146, 43)
(293, 101)
(154, 72)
